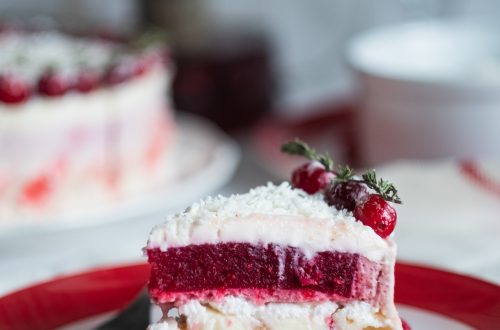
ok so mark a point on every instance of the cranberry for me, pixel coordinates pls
(376, 213)
(405, 325)
(345, 195)
(311, 177)
(13, 89)
(87, 81)
(53, 84)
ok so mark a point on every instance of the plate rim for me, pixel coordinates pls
(458, 301)
(129, 279)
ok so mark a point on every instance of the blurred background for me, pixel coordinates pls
(411, 87)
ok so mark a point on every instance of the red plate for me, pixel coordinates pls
(68, 299)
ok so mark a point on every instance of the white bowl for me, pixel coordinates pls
(428, 89)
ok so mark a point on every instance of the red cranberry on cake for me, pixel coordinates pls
(276, 257)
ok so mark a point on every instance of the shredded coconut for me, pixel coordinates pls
(274, 200)
(271, 214)
(269, 199)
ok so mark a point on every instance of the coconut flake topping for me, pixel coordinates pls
(269, 199)
(270, 214)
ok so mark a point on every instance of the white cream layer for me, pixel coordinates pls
(272, 214)
(237, 313)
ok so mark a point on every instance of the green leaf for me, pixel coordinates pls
(382, 187)
(344, 173)
(299, 148)
(326, 161)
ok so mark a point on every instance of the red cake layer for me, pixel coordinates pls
(262, 273)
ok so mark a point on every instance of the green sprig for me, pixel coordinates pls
(344, 173)
(382, 187)
(300, 148)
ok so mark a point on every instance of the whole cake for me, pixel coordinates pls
(314, 256)
(83, 122)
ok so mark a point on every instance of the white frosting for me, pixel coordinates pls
(359, 315)
(272, 214)
(238, 313)
(317, 313)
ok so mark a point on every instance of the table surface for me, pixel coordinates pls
(467, 248)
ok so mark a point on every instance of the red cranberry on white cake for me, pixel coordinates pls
(13, 89)
(276, 257)
(54, 84)
(345, 194)
(87, 81)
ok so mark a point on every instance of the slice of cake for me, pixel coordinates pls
(278, 258)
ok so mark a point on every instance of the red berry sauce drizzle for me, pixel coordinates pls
(343, 190)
